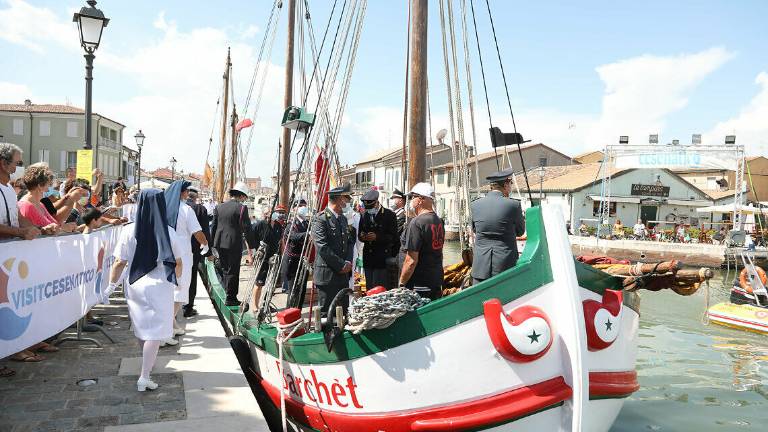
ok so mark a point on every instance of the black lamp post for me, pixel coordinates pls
(90, 22)
(173, 168)
(139, 143)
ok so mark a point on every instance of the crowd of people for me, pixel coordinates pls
(390, 249)
(36, 204)
(159, 256)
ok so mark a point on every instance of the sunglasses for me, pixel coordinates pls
(18, 164)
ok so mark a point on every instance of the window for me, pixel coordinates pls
(45, 156)
(450, 178)
(45, 128)
(18, 126)
(596, 208)
(72, 131)
(440, 177)
(542, 161)
(113, 135)
(712, 183)
(104, 132)
(71, 160)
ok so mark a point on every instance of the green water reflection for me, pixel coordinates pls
(693, 376)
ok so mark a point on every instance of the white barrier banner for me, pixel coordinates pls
(683, 159)
(47, 284)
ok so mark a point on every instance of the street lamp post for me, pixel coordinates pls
(90, 23)
(173, 168)
(139, 143)
(542, 171)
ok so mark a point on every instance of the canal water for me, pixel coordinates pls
(693, 376)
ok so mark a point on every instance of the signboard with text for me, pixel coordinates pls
(650, 190)
(84, 164)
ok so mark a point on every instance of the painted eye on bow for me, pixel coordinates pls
(521, 336)
(603, 319)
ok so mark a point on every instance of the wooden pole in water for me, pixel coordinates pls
(417, 109)
(233, 154)
(285, 145)
(220, 192)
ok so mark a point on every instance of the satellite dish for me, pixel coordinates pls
(441, 135)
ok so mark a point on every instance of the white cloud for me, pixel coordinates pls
(35, 27)
(751, 124)
(641, 92)
(179, 81)
(15, 93)
(249, 32)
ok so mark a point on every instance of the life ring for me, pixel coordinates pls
(743, 276)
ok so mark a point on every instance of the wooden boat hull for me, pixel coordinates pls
(526, 350)
(740, 316)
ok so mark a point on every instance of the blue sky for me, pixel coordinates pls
(603, 67)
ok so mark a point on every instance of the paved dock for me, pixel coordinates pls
(201, 384)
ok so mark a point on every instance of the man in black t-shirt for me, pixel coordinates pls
(423, 263)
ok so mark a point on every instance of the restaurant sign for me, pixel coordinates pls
(650, 190)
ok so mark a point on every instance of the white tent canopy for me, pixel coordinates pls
(154, 184)
(728, 208)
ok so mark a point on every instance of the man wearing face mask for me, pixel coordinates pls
(334, 242)
(296, 236)
(269, 232)
(230, 223)
(423, 263)
(496, 222)
(378, 232)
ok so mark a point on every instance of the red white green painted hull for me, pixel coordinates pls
(549, 345)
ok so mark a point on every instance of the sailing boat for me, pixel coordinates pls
(534, 348)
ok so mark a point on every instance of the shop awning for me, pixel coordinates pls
(616, 199)
(728, 208)
(690, 203)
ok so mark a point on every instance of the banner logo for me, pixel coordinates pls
(11, 324)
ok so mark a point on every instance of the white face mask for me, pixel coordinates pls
(411, 205)
(371, 211)
(18, 174)
(302, 212)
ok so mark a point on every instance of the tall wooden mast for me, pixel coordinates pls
(222, 151)
(417, 109)
(285, 145)
(233, 154)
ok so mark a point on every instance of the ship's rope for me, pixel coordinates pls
(381, 310)
(353, 19)
(285, 332)
(468, 73)
(506, 91)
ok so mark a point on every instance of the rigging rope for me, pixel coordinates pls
(509, 100)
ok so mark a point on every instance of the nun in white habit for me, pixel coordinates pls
(150, 248)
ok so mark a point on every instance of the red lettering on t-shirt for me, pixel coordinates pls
(438, 236)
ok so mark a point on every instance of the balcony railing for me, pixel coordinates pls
(108, 143)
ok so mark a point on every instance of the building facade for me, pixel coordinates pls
(54, 133)
(656, 196)
(534, 155)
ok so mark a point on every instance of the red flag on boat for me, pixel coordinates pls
(244, 123)
(322, 180)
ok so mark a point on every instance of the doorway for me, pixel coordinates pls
(648, 213)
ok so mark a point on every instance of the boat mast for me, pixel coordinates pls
(417, 108)
(233, 154)
(223, 149)
(285, 145)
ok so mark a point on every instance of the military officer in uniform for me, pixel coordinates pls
(334, 242)
(497, 220)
